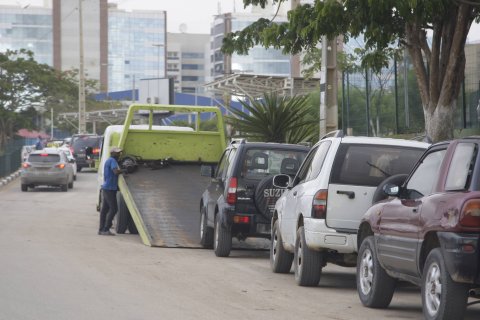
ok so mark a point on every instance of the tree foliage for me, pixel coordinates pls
(386, 26)
(275, 119)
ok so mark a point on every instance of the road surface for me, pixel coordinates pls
(54, 266)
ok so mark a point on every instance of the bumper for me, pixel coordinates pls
(461, 253)
(318, 236)
(258, 226)
(44, 179)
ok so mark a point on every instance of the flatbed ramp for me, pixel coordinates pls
(167, 201)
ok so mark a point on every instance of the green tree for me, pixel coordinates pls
(386, 25)
(275, 119)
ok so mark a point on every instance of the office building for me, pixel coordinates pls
(29, 28)
(188, 61)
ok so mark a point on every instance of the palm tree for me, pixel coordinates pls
(275, 119)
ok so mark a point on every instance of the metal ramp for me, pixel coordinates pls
(167, 201)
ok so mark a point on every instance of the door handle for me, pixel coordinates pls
(294, 193)
(415, 210)
(350, 194)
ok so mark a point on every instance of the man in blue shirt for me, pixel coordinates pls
(111, 170)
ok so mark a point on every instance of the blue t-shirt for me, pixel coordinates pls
(109, 177)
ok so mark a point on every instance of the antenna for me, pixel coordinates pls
(219, 8)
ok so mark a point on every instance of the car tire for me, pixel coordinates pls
(70, 185)
(24, 187)
(79, 169)
(307, 263)
(121, 221)
(132, 228)
(442, 298)
(280, 259)
(74, 177)
(206, 232)
(265, 204)
(379, 194)
(64, 187)
(222, 243)
(374, 286)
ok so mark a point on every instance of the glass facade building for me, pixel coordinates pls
(27, 28)
(136, 47)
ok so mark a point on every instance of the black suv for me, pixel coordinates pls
(241, 197)
(86, 149)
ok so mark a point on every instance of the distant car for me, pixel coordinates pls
(70, 157)
(86, 149)
(50, 168)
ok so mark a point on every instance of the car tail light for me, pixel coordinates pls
(232, 191)
(241, 219)
(470, 216)
(60, 165)
(43, 154)
(319, 204)
(96, 151)
(26, 165)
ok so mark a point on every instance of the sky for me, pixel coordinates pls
(197, 15)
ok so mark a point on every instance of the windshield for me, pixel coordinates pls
(44, 158)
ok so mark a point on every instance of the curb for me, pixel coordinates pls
(9, 178)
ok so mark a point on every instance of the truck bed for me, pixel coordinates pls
(167, 201)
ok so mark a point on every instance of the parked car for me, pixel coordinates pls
(70, 158)
(427, 233)
(316, 220)
(240, 198)
(50, 168)
(86, 150)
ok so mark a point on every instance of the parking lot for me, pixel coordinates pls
(55, 266)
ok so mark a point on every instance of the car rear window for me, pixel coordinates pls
(368, 165)
(259, 163)
(84, 142)
(44, 158)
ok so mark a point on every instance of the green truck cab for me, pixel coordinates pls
(158, 197)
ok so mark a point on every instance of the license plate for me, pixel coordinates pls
(81, 155)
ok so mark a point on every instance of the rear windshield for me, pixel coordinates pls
(369, 165)
(84, 142)
(44, 158)
(259, 163)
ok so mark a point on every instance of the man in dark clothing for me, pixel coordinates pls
(111, 170)
(39, 144)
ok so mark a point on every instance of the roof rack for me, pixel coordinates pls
(334, 134)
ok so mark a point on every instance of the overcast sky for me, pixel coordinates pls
(197, 15)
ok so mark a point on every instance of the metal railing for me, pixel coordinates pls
(11, 157)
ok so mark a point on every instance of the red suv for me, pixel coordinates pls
(426, 233)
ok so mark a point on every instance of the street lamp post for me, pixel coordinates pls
(158, 45)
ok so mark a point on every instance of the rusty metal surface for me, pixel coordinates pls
(168, 200)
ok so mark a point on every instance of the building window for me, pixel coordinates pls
(193, 55)
(188, 89)
(191, 78)
(189, 66)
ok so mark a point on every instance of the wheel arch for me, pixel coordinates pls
(299, 221)
(430, 242)
(364, 231)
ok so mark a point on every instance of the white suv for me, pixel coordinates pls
(317, 218)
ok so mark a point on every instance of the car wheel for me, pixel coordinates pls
(70, 184)
(374, 286)
(206, 232)
(75, 177)
(307, 263)
(222, 243)
(24, 187)
(64, 187)
(121, 221)
(79, 169)
(442, 298)
(280, 259)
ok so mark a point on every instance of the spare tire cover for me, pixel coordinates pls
(266, 195)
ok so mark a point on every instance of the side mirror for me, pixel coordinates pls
(391, 189)
(88, 151)
(282, 181)
(71, 160)
(207, 171)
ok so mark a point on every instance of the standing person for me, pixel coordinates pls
(39, 144)
(111, 170)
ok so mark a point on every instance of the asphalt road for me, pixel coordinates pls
(53, 265)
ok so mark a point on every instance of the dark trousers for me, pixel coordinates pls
(109, 209)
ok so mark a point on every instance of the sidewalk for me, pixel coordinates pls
(10, 178)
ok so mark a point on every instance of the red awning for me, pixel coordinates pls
(25, 133)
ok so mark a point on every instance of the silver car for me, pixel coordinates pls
(51, 168)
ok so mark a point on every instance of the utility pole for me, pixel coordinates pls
(82, 127)
(328, 87)
(51, 123)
